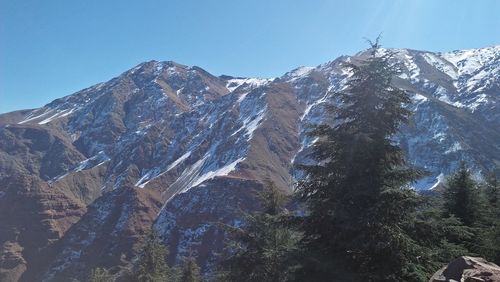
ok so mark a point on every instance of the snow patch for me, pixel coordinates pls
(442, 95)
(419, 98)
(478, 101)
(225, 170)
(298, 73)
(178, 161)
(158, 68)
(58, 114)
(439, 180)
(454, 148)
(31, 116)
(141, 183)
(441, 64)
(242, 97)
(233, 84)
(99, 159)
(468, 61)
(409, 63)
(250, 124)
(314, 104)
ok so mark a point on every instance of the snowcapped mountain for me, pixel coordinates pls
(174, 146)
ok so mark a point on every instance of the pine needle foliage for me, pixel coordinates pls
(100, 275)
(190, 271)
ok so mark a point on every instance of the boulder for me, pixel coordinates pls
(468, 269)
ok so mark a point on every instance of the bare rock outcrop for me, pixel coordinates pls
(468, 269)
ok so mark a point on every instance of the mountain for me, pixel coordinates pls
(84, 177)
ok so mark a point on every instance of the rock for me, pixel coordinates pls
(468, 269)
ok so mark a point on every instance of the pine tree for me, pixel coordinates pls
(492, 191)
(264, 248)
(445, 238)
(190, 271)
(358, 196)
(461, 197)
(152, 266)
(490, 229)
(100, 275)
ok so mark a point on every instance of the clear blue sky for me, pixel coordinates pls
(49, 48)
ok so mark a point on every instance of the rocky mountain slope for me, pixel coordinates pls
(83, 178)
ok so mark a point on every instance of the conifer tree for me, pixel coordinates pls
(461, 197)
(152, 266)
(475, 206)
(444, 237)
(358, 196)
(492, 191)
(490, 231)
(100, 275)
(190, 271)
(264, 248)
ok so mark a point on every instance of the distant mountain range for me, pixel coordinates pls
(83, 178)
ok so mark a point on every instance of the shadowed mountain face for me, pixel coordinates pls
(84, 177)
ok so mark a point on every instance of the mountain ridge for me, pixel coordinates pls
(198, 145)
